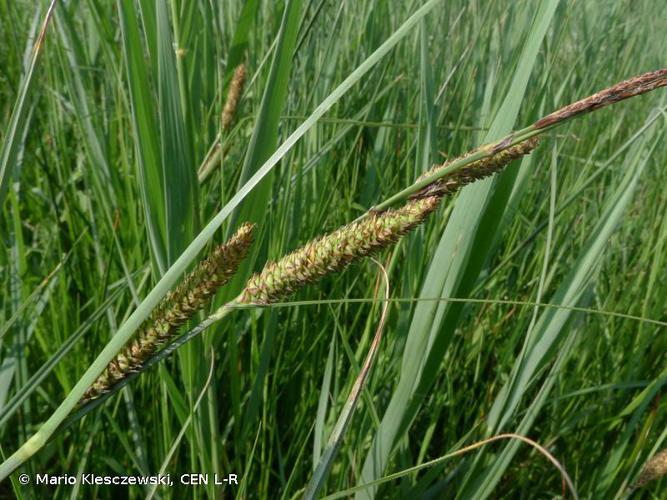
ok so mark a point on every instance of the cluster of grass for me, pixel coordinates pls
(532, 302)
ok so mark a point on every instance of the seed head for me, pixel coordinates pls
(474, 171)
(175, 309)
(623, 90)
(654, 469)
(335, 251)
(233, 96)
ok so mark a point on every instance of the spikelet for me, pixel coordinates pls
(175, 309)
(233, 96)
(654, 469)
(335, 251)
(624, 90)
(474, 171)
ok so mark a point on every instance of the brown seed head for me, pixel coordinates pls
(474, 171)
(233, 96)
(175, 309)
(623, 90)
(654, 469)
(335, 251)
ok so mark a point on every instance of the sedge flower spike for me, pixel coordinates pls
(654, 469)
(362, 238)
(637, 85)
(475, 171)
(233, 96)
(176, 308)
(334, 251)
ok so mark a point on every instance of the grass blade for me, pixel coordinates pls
(178, 169)
(459, 258)
(145, 126)
(265, 134)
(338, 433)
(19, 120)
(555, 324)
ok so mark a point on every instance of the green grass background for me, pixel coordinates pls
(102, 195)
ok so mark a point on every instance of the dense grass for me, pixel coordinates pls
(553, 263)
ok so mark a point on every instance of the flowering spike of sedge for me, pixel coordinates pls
(475, 171)
(175, 309)
(364, 237)
(335, 251)
(233, 96)
(623, 90)
(654, 469)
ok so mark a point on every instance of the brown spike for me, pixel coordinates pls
(175, 309)
(623, 90)
(335, 251)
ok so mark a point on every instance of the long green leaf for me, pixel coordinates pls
(178, 170)
(241, 37)
(21, 114)
(458, 260)
(553, 326)
(265, 134)
(144, 121)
